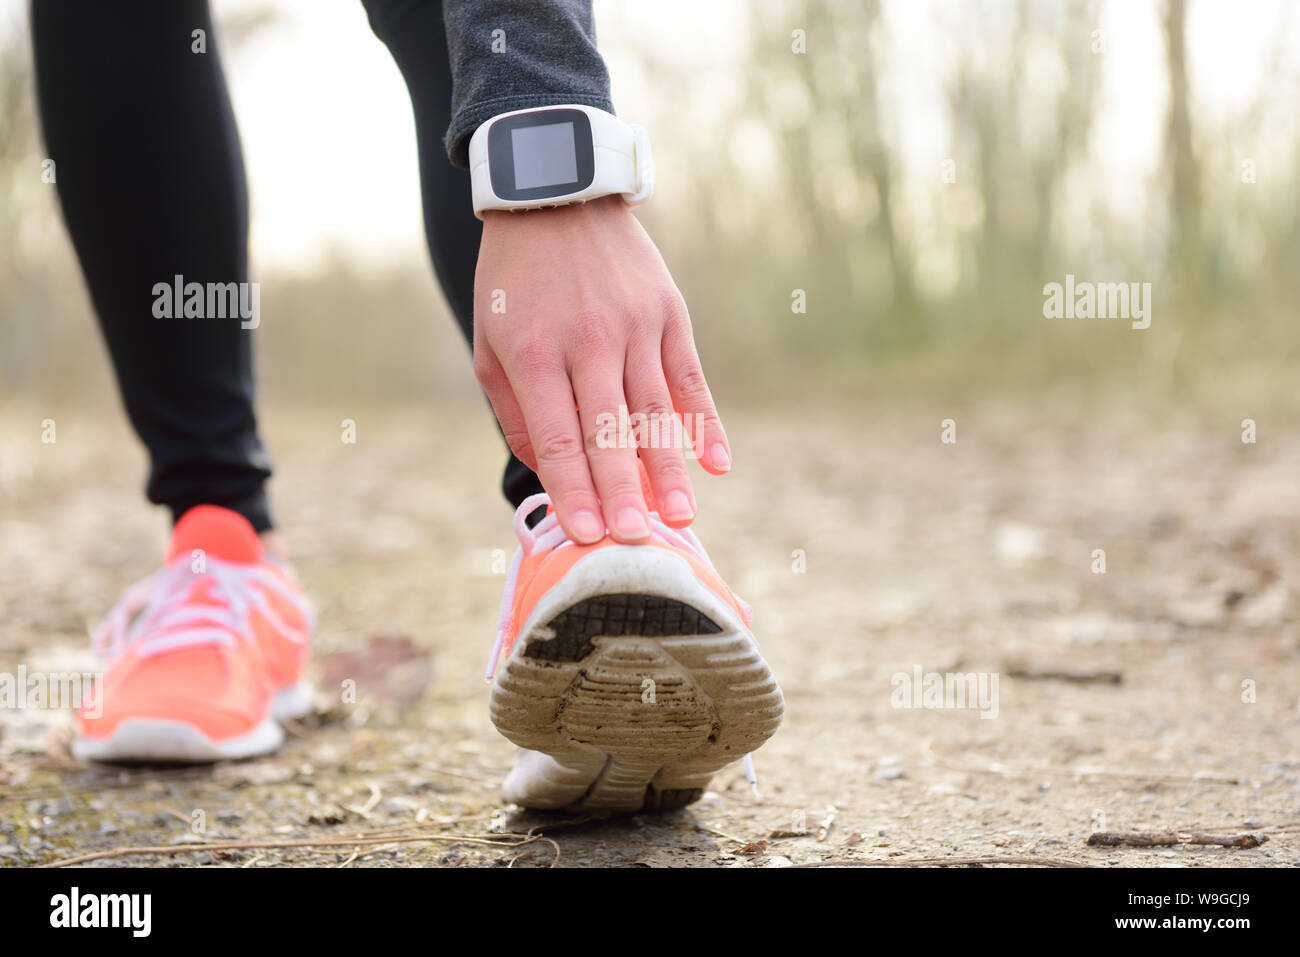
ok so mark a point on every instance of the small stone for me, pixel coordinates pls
(107, 827)
(1252, 822)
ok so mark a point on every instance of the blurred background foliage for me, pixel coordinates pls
(825, 171)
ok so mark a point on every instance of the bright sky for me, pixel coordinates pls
(327, 129)
(330, 147)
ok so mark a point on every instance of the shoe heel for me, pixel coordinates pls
(292, 701)
(641, 696)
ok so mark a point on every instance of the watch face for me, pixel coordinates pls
(541, 155)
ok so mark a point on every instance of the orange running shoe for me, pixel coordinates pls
(627, 674)
(206, 654)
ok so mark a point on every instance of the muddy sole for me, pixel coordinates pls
(629, 687)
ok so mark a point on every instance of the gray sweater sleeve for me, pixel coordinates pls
(515, 54)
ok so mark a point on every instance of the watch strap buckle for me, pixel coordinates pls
(643, 161)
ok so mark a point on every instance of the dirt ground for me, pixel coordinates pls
(869, 548)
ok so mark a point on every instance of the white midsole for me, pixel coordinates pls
(160, 739)
(630, 568)
(164, 739)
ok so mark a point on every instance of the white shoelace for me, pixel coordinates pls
(548, 535)
(158, 602)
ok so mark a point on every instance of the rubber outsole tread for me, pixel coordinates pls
(617, 615)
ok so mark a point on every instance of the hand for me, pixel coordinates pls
(574, 306)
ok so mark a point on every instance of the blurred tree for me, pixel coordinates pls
(810, 167)
(1185, 183)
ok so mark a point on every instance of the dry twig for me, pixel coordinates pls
(953, 862)
(1172, 839)
(1107, 676)
(357, 842)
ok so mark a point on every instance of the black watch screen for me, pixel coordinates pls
(541, 155)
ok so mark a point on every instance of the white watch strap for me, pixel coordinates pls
(624, 164)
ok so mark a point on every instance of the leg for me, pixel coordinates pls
(151, 180)
(416, 37)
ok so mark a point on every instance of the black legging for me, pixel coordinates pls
(151, 179)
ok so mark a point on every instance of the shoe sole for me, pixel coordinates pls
(635, 682)
(163, 740)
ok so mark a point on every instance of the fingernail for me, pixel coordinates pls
(632, 524)
(677, 507)
(588, 527)
(719, 457)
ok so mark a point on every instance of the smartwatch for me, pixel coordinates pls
(556, 155)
